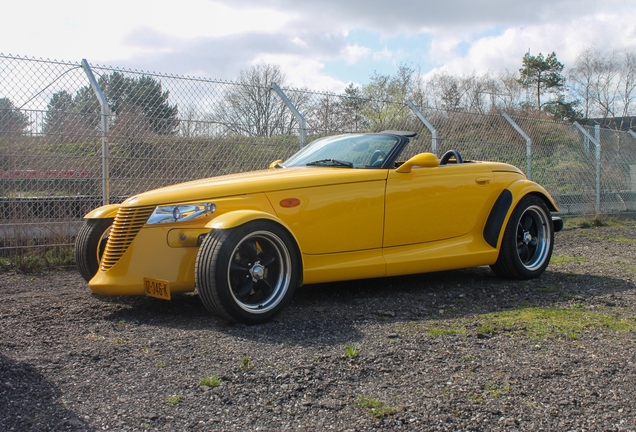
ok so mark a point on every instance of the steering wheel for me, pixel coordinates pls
(377, 156)
(449, 155)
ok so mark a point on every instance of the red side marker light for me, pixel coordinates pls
(289, 202)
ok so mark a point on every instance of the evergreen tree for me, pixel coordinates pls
(544, 74)
(12, 120)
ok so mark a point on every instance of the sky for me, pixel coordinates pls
(323, 44)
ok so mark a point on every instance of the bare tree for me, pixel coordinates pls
(251, 108)
(605, 84)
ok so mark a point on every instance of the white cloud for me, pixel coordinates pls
(303, 72)
(384, 54)
(219, 38)
(354, 53)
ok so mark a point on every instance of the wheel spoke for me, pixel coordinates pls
(248, 248)
(526, 222)
(524, 252)
(268, 260)
(265, 287)
(245, 289)
(236, 267)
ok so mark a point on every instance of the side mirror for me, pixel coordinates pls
(424, 160)
(273, 164)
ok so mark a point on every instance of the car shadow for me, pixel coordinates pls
(331, 313)
(28, 402)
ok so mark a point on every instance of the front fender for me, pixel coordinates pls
(103, 212)
(240, 217)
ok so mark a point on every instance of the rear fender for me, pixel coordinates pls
(506, 203)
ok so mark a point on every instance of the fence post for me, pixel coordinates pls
(302, 124)
(597, 153)
(426, 123)
(528, 143)
(105, 116)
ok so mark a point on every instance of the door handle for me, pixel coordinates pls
(483, 181)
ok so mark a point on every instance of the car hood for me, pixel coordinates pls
(253, 182)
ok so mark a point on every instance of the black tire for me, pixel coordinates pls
(528, 240)
(247, 274)
(90, 244)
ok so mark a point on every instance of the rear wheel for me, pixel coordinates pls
(90, 244)
(528, 240)
(247, 274)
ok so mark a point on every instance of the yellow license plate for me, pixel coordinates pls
(157, 288)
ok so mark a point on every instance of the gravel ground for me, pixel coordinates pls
(425, 352)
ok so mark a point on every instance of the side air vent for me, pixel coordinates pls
(127, 224)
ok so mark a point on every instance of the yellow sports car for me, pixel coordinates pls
(343, 207)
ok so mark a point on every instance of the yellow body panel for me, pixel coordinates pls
(336, 218)
(348, 223)
(430, 204)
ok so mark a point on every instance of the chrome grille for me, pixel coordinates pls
(127, 224)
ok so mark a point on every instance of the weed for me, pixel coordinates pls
(477, 398)
(627, 266)
(382, 318)
(30, 262)
(60, 257)
(246, 363)
(567, 296)
(5, 264)
(497, 391)
(122, 322)
(209, 381)
(376, 407)
(352, 351)
(160, 365)
(173, 400)
(120, 342)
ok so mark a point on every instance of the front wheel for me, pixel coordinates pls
(247, 274)
(90, 244)
(528, 240)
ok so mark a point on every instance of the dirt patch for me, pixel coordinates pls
(461, 350)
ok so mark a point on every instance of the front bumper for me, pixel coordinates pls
(150, 255)
(557, 223)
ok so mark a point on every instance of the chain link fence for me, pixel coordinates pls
(58, 161)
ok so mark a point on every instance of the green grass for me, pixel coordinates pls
(586, 222)
(452, 330)
(540, 323)
(376, 407)
(209, 381)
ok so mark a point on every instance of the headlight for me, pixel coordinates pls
(180, 213)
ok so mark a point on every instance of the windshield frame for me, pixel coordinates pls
(331, 148)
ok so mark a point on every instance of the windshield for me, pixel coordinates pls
(345, 151)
